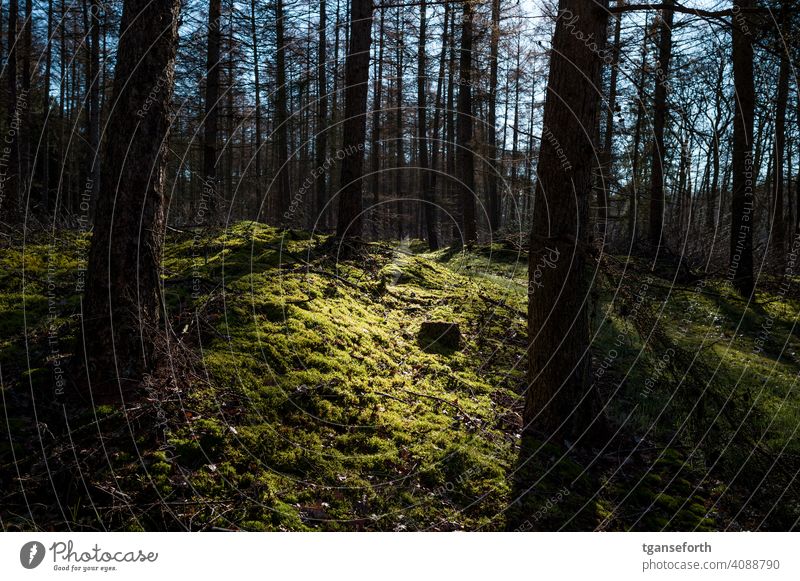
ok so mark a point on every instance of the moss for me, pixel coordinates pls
(323, 411)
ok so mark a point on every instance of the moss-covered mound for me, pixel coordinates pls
(306, 397)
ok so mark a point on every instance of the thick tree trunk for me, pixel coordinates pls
(560, 397)
(741, 240)
(350, 220)
(659, 121)
(123, 313)
(211, 120)
(466, 155)
(428, 194)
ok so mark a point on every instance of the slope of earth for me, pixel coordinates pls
(301, 392)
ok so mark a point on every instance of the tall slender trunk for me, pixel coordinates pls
(633, 203)
(48, 71)
(350, 220)
(450, 190)
(257, 89)
(10, 202)
(438, 140)
(211, 120)
(26, 129)
(94, 100)
(466, 160)
(608, 137)
(375, 136)
(123, 315)
(741, 240)
(283, 189)
(778, 224)
(399, 151)
(495, 216)
(321, 143)
(422, 133)
(659, 121)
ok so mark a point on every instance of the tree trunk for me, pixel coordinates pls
(399, 151)
(428, 194)
(321, 144)
(633, 203)
(659, 121)
(560, 398)
(495, 216)
(283, 189)
(608, 137)
(741, 240)
(94, 101)
(465, 157)
(122, 325)
(257, 89)
(375, 137)
(211, 121)
(778, 225)
(9, 201)
(350, 220)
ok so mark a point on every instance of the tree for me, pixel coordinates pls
(321, 144)
(466, 155)
(122, 308)
(741, 239)
(350, 219)
(559, 397)
(495, 214)
(211, 120)
(257, 91)
(659, 121)
(779, 144)
(422, 133)
(283, 193)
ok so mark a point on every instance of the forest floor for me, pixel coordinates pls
(302, 396)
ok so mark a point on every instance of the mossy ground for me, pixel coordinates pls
(313, 405)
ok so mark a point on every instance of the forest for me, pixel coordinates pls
(399, 265)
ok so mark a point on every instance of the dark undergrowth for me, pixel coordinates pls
(296, 392)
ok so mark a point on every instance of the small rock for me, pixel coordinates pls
(444, 335)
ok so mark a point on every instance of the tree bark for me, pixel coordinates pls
(495, 215)
(560, 398)
(283, 189)
(350, 220)
(257, 89)
(211, 121)
(428, 194)
(10, 201)
(659, 121)
(123, 312)
(465, 156)
(321, 143)
(741, 239)
(778, 238)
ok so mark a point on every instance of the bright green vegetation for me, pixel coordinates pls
(299, 397)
